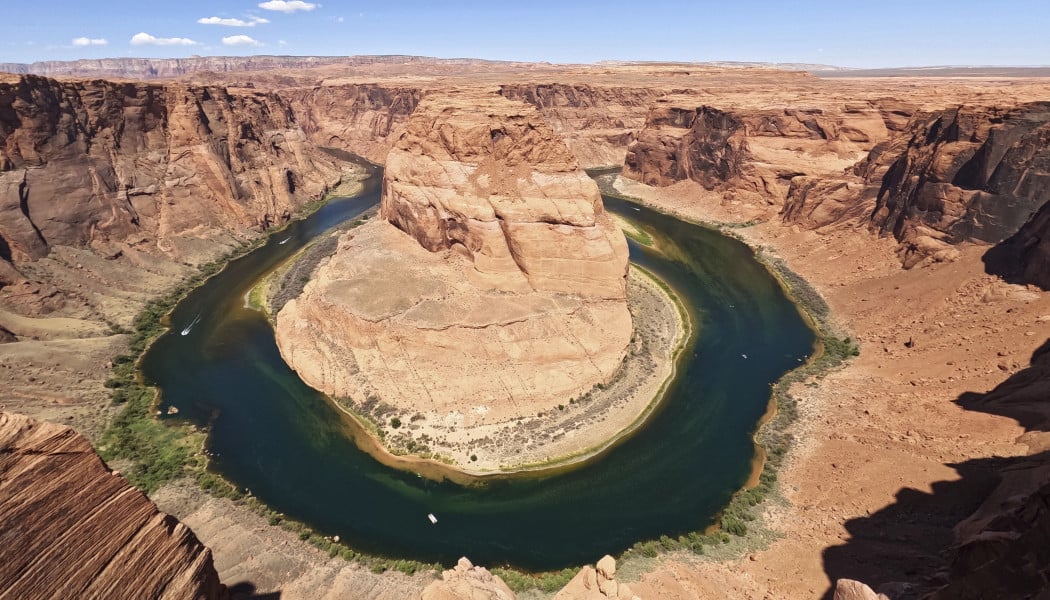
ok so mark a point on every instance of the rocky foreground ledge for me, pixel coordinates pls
(492, 292)
(71, 528)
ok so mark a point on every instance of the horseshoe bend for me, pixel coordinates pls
(489, 308)
(390, 326)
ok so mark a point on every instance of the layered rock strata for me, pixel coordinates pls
(751, 152)
(493, 287)
(967, 174)
(94, 162)
(74, 529)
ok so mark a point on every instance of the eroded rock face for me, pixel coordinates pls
(89, 162)
(751, 152)
(493, 288)
(597, 123)
(965, 174)
(487, 177)
(74, 529)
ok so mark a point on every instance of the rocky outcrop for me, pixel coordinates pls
(467, 582)
(74, 529)
(84, 163)
(597, 123)
(596, 583)
(486, 177)
(972, 173)
(361, 118)
(750, 152)
(492, 289)
(848, 589)
(687, 142)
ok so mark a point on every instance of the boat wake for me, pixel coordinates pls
(189, 327)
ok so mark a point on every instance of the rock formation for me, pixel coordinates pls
(596, 583)
(597, 123)
(848, 589)
(362, 118)
(74, 529)
(90, 162)
(467, 582)
(751, 152)
(970, 173)
(493, 288)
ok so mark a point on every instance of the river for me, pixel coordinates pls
(294, 450)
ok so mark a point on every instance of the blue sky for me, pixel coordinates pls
(875, 33)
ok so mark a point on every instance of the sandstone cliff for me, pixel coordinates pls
(597, 123)
(487, 177)
(494, 287)
(74, 529)
(748, 152)
(84, 163)
(968, 174)
(965, 174)
(361, 118)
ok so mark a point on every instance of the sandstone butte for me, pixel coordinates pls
(72, 528)
(492, 288)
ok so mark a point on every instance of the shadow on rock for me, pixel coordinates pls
(245, 590)
(986, 535)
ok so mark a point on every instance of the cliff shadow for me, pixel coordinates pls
(909, 548)
(245, 590)
(1004, 260)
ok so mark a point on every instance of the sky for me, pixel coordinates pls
(876, 33)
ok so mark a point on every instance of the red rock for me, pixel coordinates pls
(71, 528)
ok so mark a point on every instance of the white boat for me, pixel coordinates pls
(190, 326)
(433, 519)
(284, 241)
(744, 355)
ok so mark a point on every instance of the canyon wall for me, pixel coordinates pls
(359, 118)
(965, 174)
(74, 529)
(753, 153)
(597, 123)
(84, 163)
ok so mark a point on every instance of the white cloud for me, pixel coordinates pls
(145, 39)
(251, 22)
(240, 40)
(282, 43)
(84, 41)
(287, 6)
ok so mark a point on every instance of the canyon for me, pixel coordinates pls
(916, 207)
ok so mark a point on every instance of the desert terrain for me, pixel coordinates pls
(913, 205)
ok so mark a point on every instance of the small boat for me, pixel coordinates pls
(744, 355)
(284, 241)
(196, 320)
(636, 209)
(433, 519)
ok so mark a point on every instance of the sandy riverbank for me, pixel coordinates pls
(879, 440)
